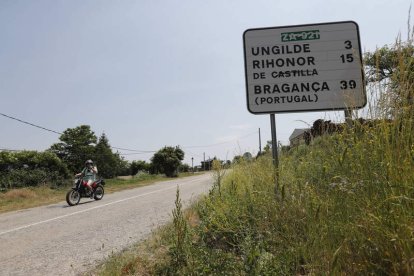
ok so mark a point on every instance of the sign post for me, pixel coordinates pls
(303, 68)
(274, 151)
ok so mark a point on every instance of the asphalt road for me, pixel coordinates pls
(61, 240)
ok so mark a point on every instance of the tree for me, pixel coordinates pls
(393, 67)
(237, 159)
(105, 159)
(137, 166)
(247, 156)
(380, 64)
(268, 148)
(184, 168)
(167, 160)
(123, 167)
(31, 168)
(75, 147)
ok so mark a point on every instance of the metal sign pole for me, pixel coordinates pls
(274, 151)
(260, 143)
(348, 116)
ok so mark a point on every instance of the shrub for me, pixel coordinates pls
(31, 168)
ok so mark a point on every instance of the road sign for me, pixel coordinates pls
(300, 68)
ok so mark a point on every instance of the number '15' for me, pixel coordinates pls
(347, 58)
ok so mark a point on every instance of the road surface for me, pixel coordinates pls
(62, 240)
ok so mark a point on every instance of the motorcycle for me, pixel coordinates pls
(80, 190)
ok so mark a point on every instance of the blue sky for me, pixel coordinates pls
(155, 73)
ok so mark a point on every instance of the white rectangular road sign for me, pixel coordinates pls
(304, 68)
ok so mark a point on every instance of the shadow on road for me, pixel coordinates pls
(67, 206)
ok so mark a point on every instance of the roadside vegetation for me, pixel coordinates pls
(344, 204)
(55, 166)
(31, 178)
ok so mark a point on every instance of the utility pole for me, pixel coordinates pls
(204, 163)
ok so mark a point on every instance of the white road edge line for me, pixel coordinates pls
(87, 210)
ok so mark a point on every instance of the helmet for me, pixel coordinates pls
(88, 162)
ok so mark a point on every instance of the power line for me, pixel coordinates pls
(27, 123)
(95, 154)
(60, 133)
(217, 144)
(132, 151)
(193, 153)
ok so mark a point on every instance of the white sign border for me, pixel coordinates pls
(304, 110)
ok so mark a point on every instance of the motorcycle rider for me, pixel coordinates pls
(89, 175)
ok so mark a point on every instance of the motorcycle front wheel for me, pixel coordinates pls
(73, 197)
(99, 192)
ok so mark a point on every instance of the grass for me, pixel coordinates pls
(17, 199)
(345, 206)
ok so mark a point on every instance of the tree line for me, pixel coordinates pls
(67, 157)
